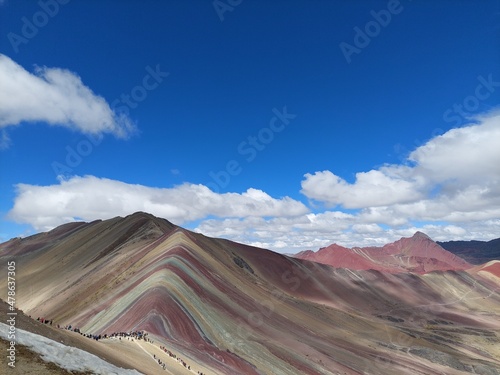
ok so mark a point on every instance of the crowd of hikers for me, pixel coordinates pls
(44, 321)
(172, 355)
(138, 335)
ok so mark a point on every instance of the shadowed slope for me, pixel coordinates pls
(475, 252)
(238, 309)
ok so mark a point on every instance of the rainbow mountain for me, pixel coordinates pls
(236, 309)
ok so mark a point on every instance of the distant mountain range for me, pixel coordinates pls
(408, 307)
(475, 252)
(418, 254)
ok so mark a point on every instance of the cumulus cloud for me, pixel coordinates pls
(4, 140)
(454, 176)
(449, 188)
(90, 198)
(279, 234)
(290, 234)
(462, 156)
(373, 188)
(56, 97)
(308, 231)
(252, 217)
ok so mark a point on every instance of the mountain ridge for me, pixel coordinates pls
(233, 308)
(475, 252)
(419, 254)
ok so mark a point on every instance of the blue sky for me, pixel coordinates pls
(285, 124)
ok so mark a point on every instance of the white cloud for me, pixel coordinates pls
(449, 188)
(366, 228)
(472, 203)
(57, 97)
(4, 140)
(284, 234)
(307, 231)
(90, 198)
(454, 177)
(252, 217)
(441, 191)
(373, 188)
(462, 156)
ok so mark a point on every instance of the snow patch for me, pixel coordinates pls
(67, 357)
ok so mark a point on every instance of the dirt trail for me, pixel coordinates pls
(123, 353)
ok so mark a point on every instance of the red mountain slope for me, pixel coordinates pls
(418, 254)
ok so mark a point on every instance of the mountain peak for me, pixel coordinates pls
(418, 254)
(421, 235)
(144, 217)
(139, 215)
